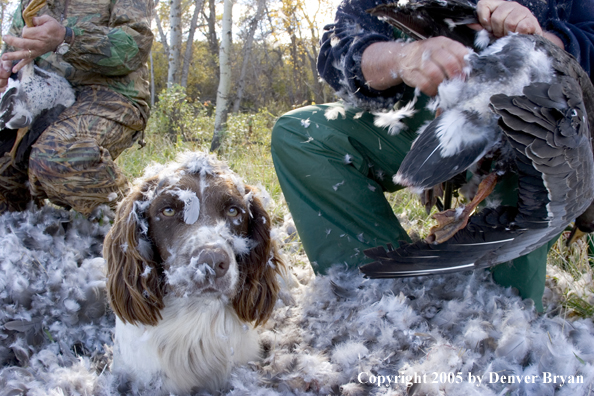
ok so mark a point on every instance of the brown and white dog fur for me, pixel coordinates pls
(191, 271)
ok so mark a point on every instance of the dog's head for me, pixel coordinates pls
(189, 229)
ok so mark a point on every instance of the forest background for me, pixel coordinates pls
(233, 56)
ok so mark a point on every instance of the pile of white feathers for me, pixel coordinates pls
(337, 334)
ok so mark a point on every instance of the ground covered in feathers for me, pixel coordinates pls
(326, 332)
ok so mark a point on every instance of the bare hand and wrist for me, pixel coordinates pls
(425, 64)
(45, 36)
(422, 64)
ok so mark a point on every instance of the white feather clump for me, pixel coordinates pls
(183, 280)
(54, 319)
(333, 112)
(191, 204)
(392, 119)
(460, 323)
(316, 342)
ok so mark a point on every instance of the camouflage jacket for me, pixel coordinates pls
(113, 39)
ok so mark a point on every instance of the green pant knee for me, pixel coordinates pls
(333, 185)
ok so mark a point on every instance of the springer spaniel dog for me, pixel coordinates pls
(191, 271)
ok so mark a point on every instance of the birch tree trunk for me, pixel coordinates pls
(162, 35)
(210, 16)
(190, 43)
(222, 106)
(152, 80)
(312, 54)
(212, 27)
(247, 50)
(175, 41)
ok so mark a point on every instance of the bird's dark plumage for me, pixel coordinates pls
(421, 20)
(527, 104)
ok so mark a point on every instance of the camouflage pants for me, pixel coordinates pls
(72, 162)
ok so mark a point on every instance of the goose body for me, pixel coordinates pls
(467, 128)
(527, 105)
(31, 91)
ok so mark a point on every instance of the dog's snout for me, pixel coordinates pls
(218, 260)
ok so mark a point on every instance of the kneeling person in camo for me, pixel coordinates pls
(101, 47)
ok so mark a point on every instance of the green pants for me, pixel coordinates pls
(334, 173)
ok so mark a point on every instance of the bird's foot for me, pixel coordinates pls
(31, 10)
(584, 224)
(431, 197)
(576, 234)
(20, 135)
(451, 221)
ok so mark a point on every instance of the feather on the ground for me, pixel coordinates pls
(317, 342)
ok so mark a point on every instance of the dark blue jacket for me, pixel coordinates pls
(353, 30)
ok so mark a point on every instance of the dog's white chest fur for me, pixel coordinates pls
(198, 341)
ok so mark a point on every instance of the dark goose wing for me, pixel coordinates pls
(548, 130)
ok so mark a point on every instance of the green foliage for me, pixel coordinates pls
(411, 213)
(579, 306)
(179, 117)
(202, 75)
(576, 279)
(246, 130)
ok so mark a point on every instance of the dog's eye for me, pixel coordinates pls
(232, 211)
(168, 212)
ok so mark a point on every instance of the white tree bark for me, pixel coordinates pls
(161, 33)
(247, 50)
(175, 41)
(189, 44)
(222, 105)
(152, 80)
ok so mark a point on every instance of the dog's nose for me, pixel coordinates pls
(218, 260)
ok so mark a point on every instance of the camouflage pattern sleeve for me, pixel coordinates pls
(114, 49)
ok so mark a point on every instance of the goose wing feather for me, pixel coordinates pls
(553, 155)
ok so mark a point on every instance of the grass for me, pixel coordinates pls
(246, 148)
(574, 275)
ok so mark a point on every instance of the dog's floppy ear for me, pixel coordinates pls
(133, 281)
(258, 269)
